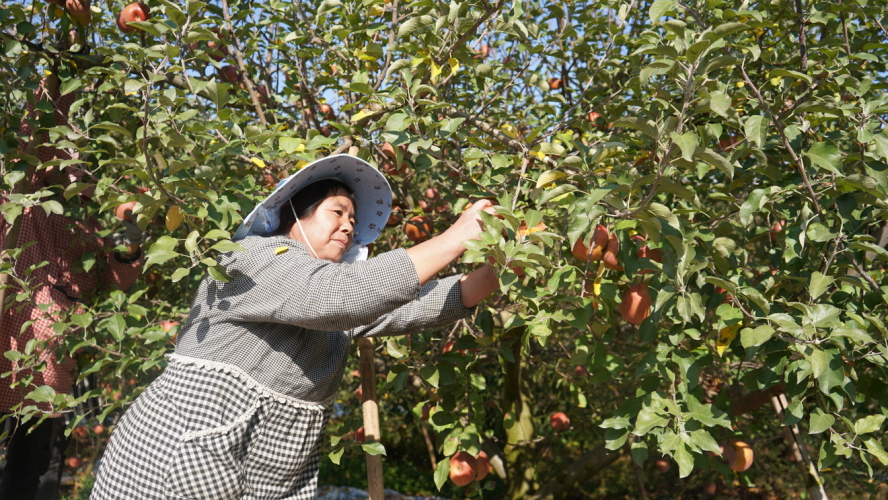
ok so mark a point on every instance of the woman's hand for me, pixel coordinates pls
(430, 257)
(469, 225)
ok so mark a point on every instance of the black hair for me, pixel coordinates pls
(307, 200)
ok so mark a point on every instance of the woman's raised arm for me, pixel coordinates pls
(430, 257)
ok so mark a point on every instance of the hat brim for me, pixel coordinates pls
(372, 195)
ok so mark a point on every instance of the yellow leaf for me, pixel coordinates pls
(258, 162)
(280, 250)
(454, 65)
(549, 177)
(726, 336)
(524, 231)
(360, 115)
(376, 10)
(510, 131)
(416, 61)
(436, 71)
(174, 218)
(300, 164)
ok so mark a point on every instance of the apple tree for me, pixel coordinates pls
(690, 232)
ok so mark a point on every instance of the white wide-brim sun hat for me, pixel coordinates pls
(372, 194)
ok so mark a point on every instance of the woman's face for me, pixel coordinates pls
(330, 230)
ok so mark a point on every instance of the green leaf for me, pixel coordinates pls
(194, 7)
(826, 156)
(719, 103)
(688, 143)
(638, 124)
(881, 142)
(42, 394)
(373, 448)
(114, 127)
(711, 157)
(442, 472)
(218, 273)
(725, 29)
(159, 257)
(82, 320)
(704, 440)
(875, 448)
(659, 9)
(116, 325)
(817, 357)
(228, 246)
(132, 86)
(755, 337)
(74, 189)
(819, 283)
(709, 416)
(336, 456)
(191, 241)
(648, 419)
(398, 122)
(819, 233)
(639, 451)
(820, 421)
(289, 144)
(685, 460)
(869, 424)
(413, 24)
(756, 128)
(217, 233)
(794, 413)
(179, 273)
(791, 74)
(70, 85)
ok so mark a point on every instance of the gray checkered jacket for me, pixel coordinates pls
(287, 319)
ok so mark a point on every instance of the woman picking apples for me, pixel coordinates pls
(240, 410)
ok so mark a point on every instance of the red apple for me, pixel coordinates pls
(168, 325)
(229, 74)
(559, 421)
(663, 465)
(79, 11)
(73, 462)
(359, 435)
(136, 11)
(463, 468)
(326, 111)
(99, 429)
(483, 466)
(121, 211)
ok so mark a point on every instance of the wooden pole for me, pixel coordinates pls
(371, 418)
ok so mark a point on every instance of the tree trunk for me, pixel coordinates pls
(520, 451)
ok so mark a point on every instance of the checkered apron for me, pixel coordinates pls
(210, 432)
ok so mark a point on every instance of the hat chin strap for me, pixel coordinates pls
(301, 231)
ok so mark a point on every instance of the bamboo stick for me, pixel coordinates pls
(371, 418)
